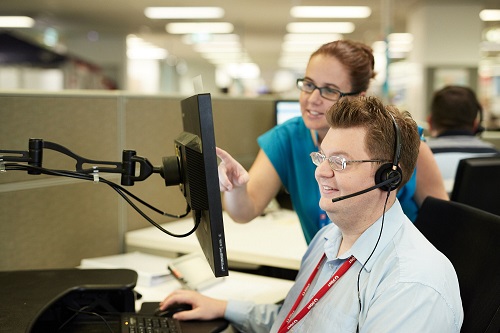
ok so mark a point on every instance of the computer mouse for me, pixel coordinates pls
(174, 308)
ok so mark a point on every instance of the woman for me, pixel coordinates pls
(335, 70)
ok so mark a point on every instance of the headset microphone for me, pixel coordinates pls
(394, 179)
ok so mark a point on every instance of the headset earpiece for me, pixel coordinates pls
(391, 170)
(385, 172)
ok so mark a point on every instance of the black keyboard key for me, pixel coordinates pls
(135, 323)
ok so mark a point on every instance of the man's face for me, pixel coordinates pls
(350, 144)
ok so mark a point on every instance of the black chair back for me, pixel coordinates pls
(477, 183)
(470, 238)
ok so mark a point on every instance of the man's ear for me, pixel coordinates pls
(475, 125)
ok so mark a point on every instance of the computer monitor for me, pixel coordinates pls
(286, 109)
(477, 183)
(195, 150)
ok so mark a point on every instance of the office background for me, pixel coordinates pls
(86, 91)
(430, 43)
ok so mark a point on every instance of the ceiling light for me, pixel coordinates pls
(241, 70)
(493, 35)
(320, 27)
(199, 27)
(137, 48)
(330, 11)
(379, 46)
(490, 15)
(16, 22)
(400, 43)
(144, 54)
(184, 12)
(228, 60)
(402, 37)
(209, 38)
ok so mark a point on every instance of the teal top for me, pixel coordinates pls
(288, 147)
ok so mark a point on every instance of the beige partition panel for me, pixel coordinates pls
(152, 124)
(238, 122)
(53, 222)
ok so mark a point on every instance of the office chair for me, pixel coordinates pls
(477, 183)
(470, 238)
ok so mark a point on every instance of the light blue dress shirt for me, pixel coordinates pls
(406, 286)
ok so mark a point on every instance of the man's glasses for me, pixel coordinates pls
(330, 94)
(337, 163)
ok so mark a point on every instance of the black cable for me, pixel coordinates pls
(373, 251)
(82, 311)
(119, 189)
(188, 209)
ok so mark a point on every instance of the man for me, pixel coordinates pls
(370, 270)
(454, 123)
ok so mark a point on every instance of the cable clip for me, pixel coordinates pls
(95, 173)
(2, 165)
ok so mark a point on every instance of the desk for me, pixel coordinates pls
(275, 240)
(241, 286)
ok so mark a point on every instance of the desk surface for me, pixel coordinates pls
(275, 240)
(241, 286)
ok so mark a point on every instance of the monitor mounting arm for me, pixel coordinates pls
(127, 168)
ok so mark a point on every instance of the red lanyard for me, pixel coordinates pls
(289, 322)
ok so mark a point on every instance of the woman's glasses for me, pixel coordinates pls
(330, 94)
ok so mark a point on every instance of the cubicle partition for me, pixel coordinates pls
(54, 222)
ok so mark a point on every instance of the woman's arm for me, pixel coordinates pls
(429, 179)
(247, 194)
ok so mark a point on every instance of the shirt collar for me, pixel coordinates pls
(365, 244)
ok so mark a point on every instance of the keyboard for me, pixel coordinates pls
(138, 323)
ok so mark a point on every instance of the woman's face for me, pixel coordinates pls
(322, 71)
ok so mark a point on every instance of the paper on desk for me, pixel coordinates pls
(248, 287)
(151, 270)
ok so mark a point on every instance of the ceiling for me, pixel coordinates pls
(259, 23)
